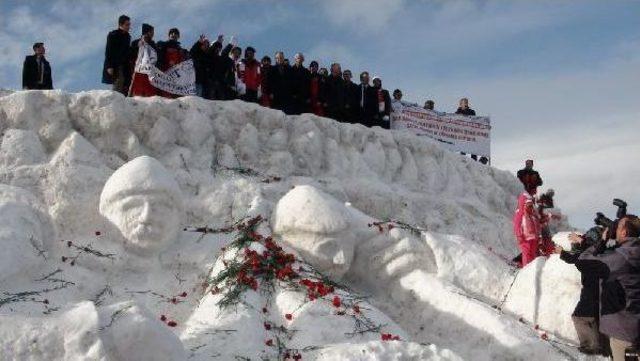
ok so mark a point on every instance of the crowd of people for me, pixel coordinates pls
(225, 72)
(607, 316)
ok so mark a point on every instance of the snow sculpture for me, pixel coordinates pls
(328, 234)
(23, 228)
(144, 202)
(316, 225)
(85, 332)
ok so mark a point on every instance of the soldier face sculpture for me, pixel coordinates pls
(144, 202)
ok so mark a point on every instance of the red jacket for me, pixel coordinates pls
(250, 76)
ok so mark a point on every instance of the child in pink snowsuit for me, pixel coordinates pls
(526, 226)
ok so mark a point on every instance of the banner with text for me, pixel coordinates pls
(179, 79)
(459, 133)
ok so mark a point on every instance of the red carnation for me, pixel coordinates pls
(163, 318)
(183, 294)
(336, 301)
(288, 316)
(356, 308)
(173, 300)
(69, 243)
(172, 324)
(98, 233)
(264, 310)
(536, 327)
(269, 342)
(267, 326)
(544, 336)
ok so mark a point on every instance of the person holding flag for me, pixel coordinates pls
(144, 51)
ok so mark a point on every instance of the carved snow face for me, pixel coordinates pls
(147, 220)
(143, 200)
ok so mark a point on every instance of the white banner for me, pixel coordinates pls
(179, 80)
(459, 133)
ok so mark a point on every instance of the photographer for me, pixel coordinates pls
(585, 315)
(620, 286)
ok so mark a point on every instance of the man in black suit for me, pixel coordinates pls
(36, 71)
(382, 116)
(353, 98)
(117, 69)
(366, 100)
(280, 84)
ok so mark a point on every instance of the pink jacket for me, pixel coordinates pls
(526, 224)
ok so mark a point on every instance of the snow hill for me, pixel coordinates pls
(414, 240)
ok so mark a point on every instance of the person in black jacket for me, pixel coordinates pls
(530, 178)
(382, 116)
(36, 71)
(619, 288)
(281, 85)
(300, 86)
(367, 100)
(352, 108)
(335, 94)
(117, 69)
(198, 53)
(464, 109)
(218, 69)
(585, 316)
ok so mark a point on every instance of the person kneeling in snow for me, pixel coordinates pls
(620, 287)
(585, 315)
(526, 226)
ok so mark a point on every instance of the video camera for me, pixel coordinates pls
(603, 222)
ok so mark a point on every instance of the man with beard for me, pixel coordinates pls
(300, 82)
(116, 70)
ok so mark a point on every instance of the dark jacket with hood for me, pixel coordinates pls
(588, 305)
(619, 271)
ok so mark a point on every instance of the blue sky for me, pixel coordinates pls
(559, 78)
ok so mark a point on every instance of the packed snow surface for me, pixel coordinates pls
(100, 194)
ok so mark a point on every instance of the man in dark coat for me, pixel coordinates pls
(530, 178)
(352, 107)
(36, 71)
(620, 287)
(382, 116)
(219, 67)
(117, 69)
(464, 109)
(367, 100)
(300, 86)
(585, 316)
(199, 54)
(281, 85)
(335, 94)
